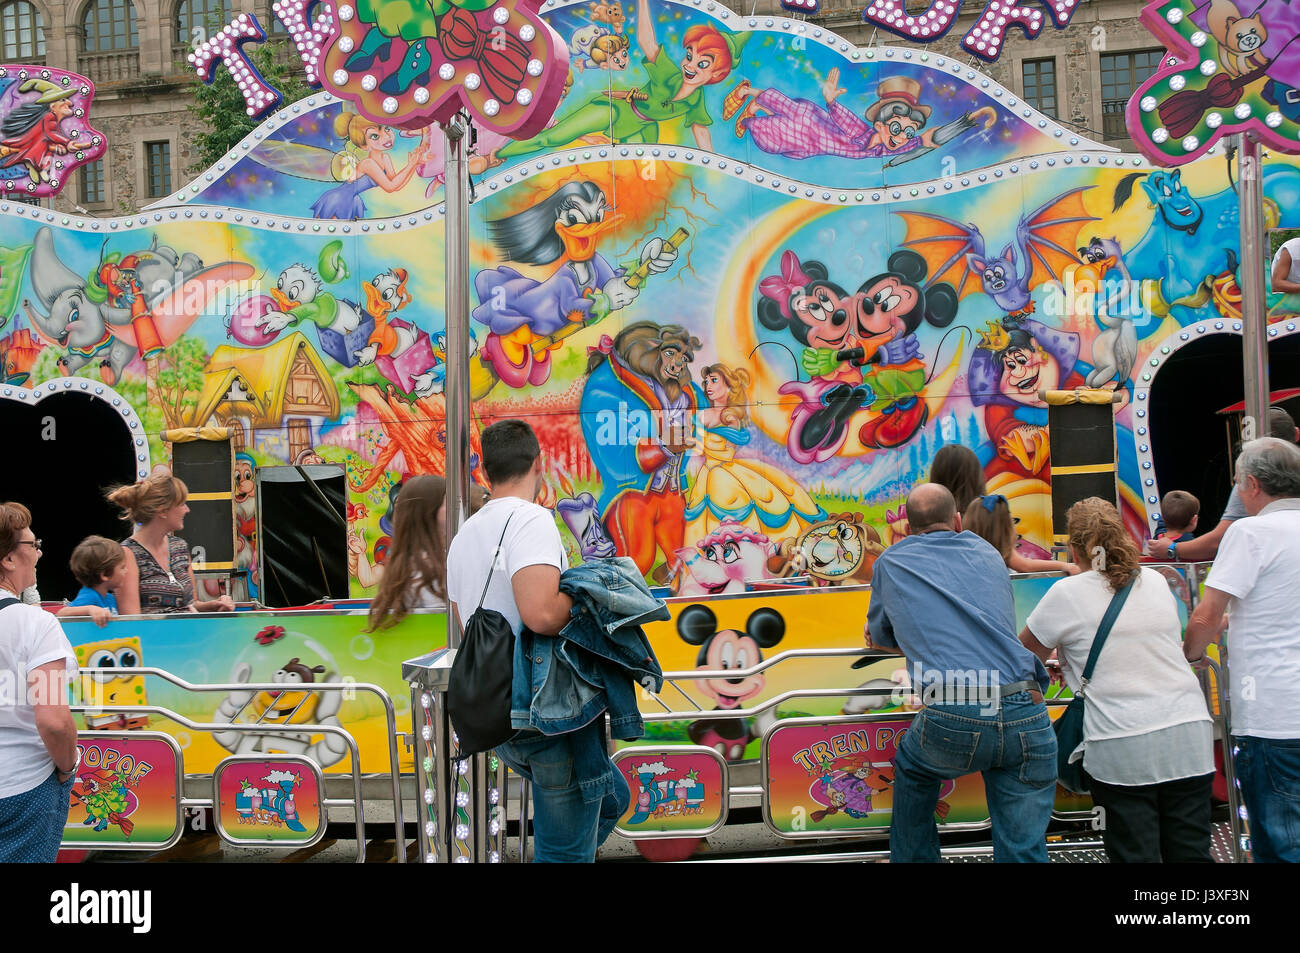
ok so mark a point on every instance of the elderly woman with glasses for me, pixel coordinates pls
(38, 738)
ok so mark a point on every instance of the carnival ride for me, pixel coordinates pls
(793, 328)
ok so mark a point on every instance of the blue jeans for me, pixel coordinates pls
(566, 829)
(1014, 748)
(1269, 772)
(31, 823)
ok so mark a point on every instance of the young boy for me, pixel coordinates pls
(1179, 511)
(100, 566)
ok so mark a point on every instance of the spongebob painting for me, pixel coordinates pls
(114, 683)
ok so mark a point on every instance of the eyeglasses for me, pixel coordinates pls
(36, 543)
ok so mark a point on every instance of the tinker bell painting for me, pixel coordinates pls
(335, 164)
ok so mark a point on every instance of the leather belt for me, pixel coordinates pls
(1026, 685)
(1011, 688)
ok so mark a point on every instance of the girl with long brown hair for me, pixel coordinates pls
(958, 468)
(415, 575)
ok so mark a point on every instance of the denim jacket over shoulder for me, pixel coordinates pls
(564, 682)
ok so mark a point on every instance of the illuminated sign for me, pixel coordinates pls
(984, 39)
(1227, 69)
(44, 129)
(406, 63)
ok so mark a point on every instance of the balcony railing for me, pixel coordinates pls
(112, 67)
(1112, 119)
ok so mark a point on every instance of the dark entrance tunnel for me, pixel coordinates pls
(63, 452)
(1191, 443)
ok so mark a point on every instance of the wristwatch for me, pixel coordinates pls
(1173, 552)
(64, 776)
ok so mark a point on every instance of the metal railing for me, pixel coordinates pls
(464, 800)
(230, 726)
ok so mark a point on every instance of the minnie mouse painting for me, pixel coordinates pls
(843, 332)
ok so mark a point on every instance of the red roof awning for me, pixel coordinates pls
(1276, 397)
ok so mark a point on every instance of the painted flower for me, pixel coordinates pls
(270, 634)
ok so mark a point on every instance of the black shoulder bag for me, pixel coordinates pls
(1069, 727)
(478, 693)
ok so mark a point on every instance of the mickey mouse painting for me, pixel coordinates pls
(843, 333)
(726, 650)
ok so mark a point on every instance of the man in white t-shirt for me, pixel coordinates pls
(1255, 579)
(524, 586)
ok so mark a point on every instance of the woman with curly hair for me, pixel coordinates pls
(1147, 735)
(743, 491)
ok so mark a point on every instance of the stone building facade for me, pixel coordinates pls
(135, 51)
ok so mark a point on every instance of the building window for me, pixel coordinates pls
(195, 18)
(158, 163)
(1040, 85)
(92, 183)
(272, 22)
(22, 30)
(109, 26)
(1121, 74)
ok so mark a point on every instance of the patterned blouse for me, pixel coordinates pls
(164, 590)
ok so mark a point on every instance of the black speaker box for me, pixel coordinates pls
(302, 546)
(206, 467)
(1082, 441)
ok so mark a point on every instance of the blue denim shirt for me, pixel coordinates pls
(563, 682)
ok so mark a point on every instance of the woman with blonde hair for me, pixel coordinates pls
(743, 491)
(1147, 735)
(989, 517)
(158, 578)
(38, 737)
(372, 142)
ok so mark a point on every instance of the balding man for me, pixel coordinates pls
(943, 597)
(1255, 578)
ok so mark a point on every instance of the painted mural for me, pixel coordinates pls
(744, 285)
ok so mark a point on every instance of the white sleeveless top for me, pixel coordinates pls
(1293, 248)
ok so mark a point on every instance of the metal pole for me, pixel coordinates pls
(1254, 341)
(456, 237)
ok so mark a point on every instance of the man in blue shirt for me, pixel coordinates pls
(943, 597)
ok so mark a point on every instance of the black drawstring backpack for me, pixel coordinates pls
(478, 693)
